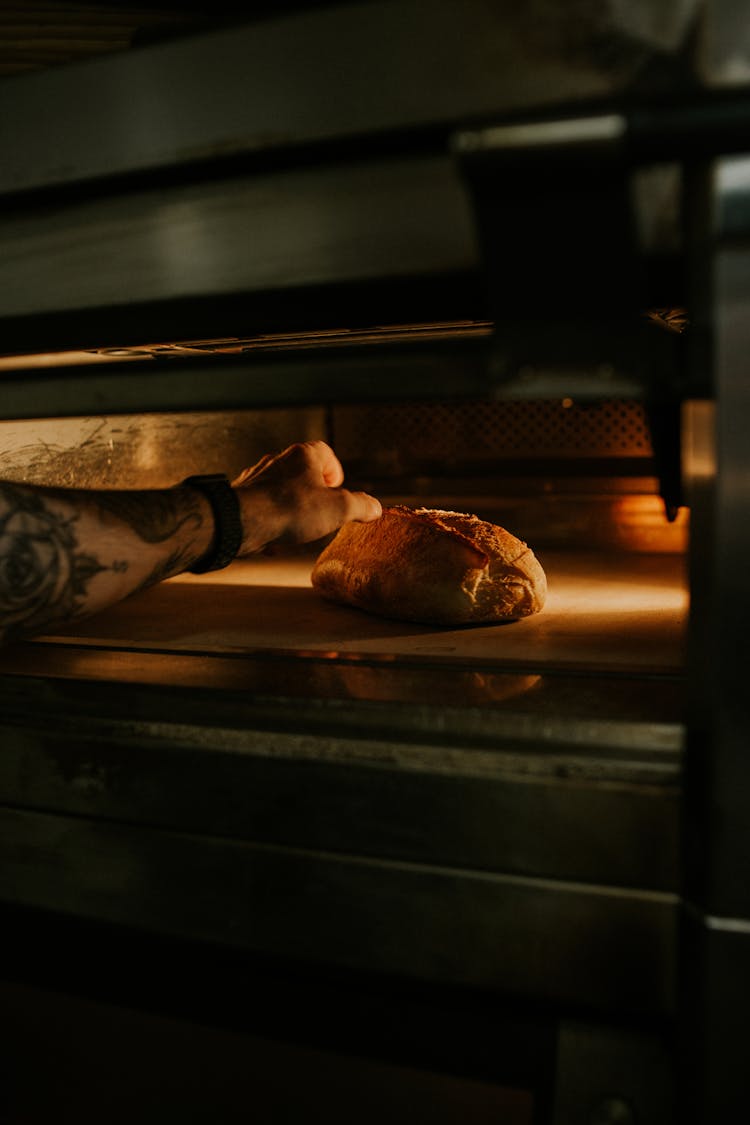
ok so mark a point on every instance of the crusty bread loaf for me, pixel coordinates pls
(439, 568)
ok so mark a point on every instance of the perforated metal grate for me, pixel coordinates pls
(393, 437)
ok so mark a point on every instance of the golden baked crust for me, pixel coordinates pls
(431, 566)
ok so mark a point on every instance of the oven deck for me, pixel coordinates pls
(598, 672)
(604, 613)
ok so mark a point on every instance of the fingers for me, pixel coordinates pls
(303, 456)
(360, 506)
(248, 474)
(299, 496)
(322, 457)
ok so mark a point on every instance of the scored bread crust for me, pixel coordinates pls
(431, 566)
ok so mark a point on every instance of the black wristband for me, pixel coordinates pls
(225, 506)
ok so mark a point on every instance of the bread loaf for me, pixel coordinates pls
(435, 567)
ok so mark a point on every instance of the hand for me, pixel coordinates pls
(296, 496)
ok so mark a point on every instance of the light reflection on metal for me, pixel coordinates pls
(234, 345)
(42, 360)
(541, 134)
(673, 319)
(638, 524)
(733, 175)
(699, 440)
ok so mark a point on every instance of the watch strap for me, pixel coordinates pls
(225, 506)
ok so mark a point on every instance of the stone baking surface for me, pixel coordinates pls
(603, 612)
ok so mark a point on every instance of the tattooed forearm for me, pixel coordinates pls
(179, 560)
(44, 574)
(65, 554)
(166, 513)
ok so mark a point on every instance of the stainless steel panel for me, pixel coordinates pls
(476, 790)
(339, 223)
(591, 727)
(723, 44)
(718, 834)
(731, 198)
(564, 942)
(715, 953)
(378, 374)
(342, 71)
(148, 451)
(713, 1036)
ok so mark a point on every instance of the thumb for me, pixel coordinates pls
(362, 507)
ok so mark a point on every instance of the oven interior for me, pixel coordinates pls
(388, 771)
(479, 869)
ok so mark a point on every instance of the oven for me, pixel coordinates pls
(497, 258)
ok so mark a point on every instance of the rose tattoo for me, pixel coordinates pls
(43, 577)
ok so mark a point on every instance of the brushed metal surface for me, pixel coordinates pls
(523, 808)
(717, 824)
(147, 451)
(574, 943)
(341, 71)
(345, 222)
(723, 44)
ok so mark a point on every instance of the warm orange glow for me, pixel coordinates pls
(699, 441)
(580, 585)
(607, 597)
(257, 571)
(673, 319)
(55, 359)
(639, 524)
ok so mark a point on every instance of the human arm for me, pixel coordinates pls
(67, 553)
